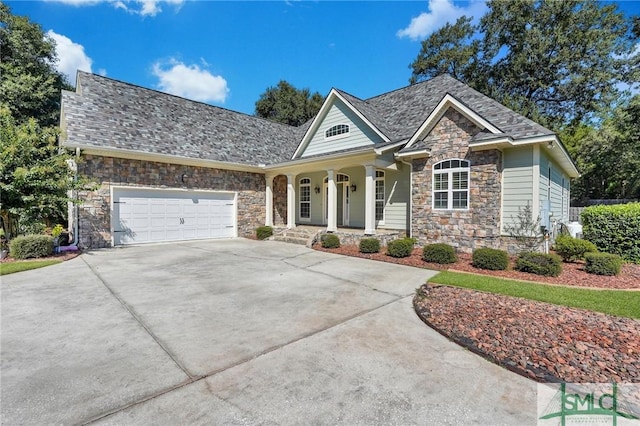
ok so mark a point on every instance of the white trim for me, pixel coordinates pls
(339, 135)
(380, 151)
(291, 202)
(449, 172)
(333, 94)
(383, 179)
(448, 101)
(300, 186)
(535, 183)
(422, 153)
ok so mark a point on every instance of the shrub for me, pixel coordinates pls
(571, 249)
(603, 263)
(525, 230)
(614, 229)
(264, 232)
(539, 264)
(488, 258)
(402, 247)
(439, 253)
(28, 246)
(369, 245)
(330, 241)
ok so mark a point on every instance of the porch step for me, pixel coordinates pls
(295, 236)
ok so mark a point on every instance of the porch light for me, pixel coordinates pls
(317, 189)
(353, 187)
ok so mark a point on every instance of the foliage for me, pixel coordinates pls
(439, 253)
(603, 263)
(369, 245)
(572, 249)
(402, 247)
(13, 267)
(525, 230)
(614, 229)
(30, 85)
(330, 241)
(539, 264)
(264, 232)
(556, 62)
(28, 246)
(288, 105)
(492, 259)
(613, 302)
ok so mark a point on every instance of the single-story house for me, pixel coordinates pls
(436, 160)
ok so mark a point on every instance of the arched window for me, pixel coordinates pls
(380, 195)
(338, 129)
(451, 185)
(305, 199)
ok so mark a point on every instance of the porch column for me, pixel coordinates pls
(291, 202)
(369, 200)
(332, 213)
(268, 221)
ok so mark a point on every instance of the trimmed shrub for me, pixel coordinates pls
(330, 241)
(439, 253)
(28, 246)
(402, 247)
(614, 229)
(369, 245)
(572, 249)
(539, 263)
(492, 259)
(264, 232)
(603, 263)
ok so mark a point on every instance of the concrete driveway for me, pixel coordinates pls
(237, 332)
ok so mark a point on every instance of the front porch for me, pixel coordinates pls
(308, 235)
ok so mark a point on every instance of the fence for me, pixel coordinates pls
(574, 212)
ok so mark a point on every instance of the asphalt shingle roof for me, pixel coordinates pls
(109, 113)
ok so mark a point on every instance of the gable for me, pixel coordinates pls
(330, 136)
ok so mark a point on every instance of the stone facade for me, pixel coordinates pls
(279, 187)
(479, 226)
(95, 210)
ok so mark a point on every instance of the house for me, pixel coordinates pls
(436, 160)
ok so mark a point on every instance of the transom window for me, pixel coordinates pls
(305, 199)
(451, 185)
(338, 129)
(379, 195)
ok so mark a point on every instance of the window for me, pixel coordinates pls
(338, 129)
(451, 185)
(379, 195)
(305, 199)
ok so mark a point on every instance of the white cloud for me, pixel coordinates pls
(139, 7)
(440, 13)
(190, 81)
(71, 56)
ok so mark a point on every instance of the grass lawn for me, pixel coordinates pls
(11, 267)
(613, 302)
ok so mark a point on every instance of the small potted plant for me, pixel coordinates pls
(55, 233)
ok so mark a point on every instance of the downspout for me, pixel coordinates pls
(76, 208)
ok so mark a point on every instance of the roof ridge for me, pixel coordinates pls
(420, 83)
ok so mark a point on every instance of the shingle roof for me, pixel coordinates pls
(113, 114)
(106, 113)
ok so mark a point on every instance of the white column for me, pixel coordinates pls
(332, 212)
(370, 200)
(291, 202)
(268, 221)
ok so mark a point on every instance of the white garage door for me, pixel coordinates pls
(147, 215)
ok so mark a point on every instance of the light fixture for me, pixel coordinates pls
(184, 178)
(353, 187)
(317, 189)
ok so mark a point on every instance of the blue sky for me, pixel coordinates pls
(228, 53)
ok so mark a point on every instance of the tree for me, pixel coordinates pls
(30, 85)
(288, 105)
(556, 62)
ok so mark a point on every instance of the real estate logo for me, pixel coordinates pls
(589, 404)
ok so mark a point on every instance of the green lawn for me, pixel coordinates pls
(613, 302)
(12, 267)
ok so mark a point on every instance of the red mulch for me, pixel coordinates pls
(67, 255)
(545, 342)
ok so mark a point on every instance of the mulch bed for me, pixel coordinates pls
(67, 255)
(542, 341)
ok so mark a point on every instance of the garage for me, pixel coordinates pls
(155, 215)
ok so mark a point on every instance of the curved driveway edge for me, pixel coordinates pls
(237, 332)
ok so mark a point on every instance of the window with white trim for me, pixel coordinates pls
(379, 195)
(338, 129)
(451, 185)
(305, 199)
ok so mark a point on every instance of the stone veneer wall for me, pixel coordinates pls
(464, 229)
(95, 210)
(279, 188)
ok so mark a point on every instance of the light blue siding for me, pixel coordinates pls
(556, 189)
(360, 134)
(517, 182)
(397, 196)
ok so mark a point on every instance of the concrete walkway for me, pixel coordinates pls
(237, 332)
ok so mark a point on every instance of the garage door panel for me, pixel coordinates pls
(147, 215)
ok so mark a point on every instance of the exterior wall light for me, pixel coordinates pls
(317, 189)
(353, 187)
